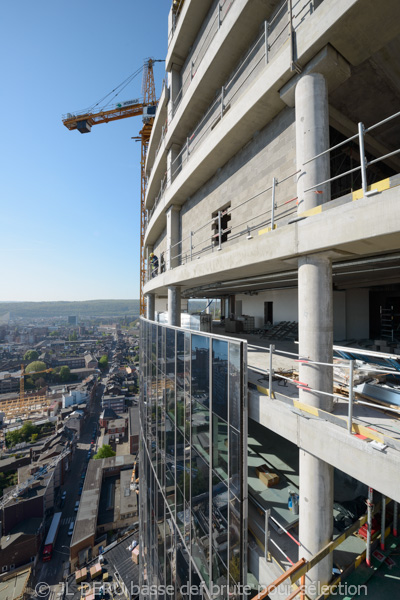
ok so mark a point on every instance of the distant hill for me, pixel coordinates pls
(87, 308)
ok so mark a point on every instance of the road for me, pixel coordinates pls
(49, 575)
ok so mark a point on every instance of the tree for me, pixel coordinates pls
(34, 366)
(103, 362)
(31, 355)
(65, 374)
(104, 452)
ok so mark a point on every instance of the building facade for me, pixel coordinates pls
(273, 185)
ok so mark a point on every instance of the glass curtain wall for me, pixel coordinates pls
(193, 464)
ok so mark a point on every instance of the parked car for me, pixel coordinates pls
(76, 506)
(71, 528)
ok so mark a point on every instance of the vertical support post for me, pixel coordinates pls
(395, 517)
(169, 261)
(271, 372)
(266, 537)
(191, 246)
(383, 521)
(219, 231)
(303, 587)
(222, 102)
(273, 204)
(219, 14)
(187, 147)
(351, 395)
(266, 41)
(362, 157)
(369, 526)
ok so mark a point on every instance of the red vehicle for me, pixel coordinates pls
(51, 537)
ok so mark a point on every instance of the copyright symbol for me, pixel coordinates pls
(42, 589)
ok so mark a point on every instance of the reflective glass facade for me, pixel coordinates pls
(193, 463)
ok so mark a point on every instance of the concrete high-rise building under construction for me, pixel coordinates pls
(273, 185)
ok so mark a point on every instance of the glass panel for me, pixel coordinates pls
(201, 369)
(234, 539)
(234, 385)
(220, 378)
(201, 429)
(234, 461)
(220, 447)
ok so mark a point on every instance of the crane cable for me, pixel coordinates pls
(118, 87)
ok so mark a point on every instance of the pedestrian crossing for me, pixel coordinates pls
(66, 520)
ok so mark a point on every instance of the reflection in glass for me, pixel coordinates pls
(234, 385)
(201, 369)
(190, 482)
(201, 429)
(220, 378)
(220, 447)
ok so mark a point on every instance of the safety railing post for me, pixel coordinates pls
(351, 395)
(395, 517)
(271, 372)
(169, 257)
(369, 526)
(383, 522)
(266, 41)
(273, 204)
(219, 14)
(187, 147)
(266, 537)
(222, 101)
(219, 231)
(191, 246)
(363, 161)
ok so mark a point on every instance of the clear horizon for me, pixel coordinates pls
(70, 209)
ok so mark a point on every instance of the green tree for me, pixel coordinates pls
(27, 430)
(104, 452)
(65, 374)
(103, 362)
(36, 365)
(34, 437)
(31, 355)
(13, 438)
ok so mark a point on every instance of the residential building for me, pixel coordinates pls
(273, 185)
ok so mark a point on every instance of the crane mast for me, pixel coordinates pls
(84, 121)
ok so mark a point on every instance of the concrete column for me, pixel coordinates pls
(312, 138)
(173, 237)
(316, 476)
(150, 306)
(172, 164)
(174, 305)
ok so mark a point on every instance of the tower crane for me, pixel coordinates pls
(84, 120)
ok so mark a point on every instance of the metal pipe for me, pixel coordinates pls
(395, 516)
(369, 526)
(191, 246)
(273, 204)
(382, 122)
(371, 162)
(362, 157)
(383, 521)
(271, 350)
(351, 395)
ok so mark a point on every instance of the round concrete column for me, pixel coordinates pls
(312, 138)
(316, 476)
(150, 305)
(316, 328)
(315, 517)
(174, 305)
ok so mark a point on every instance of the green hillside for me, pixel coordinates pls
(87, 308)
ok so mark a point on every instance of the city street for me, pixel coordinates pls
(49, 575)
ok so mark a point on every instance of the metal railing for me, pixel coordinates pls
(272, 212)
(272, 36)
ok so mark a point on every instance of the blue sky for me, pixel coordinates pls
(70, 203)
